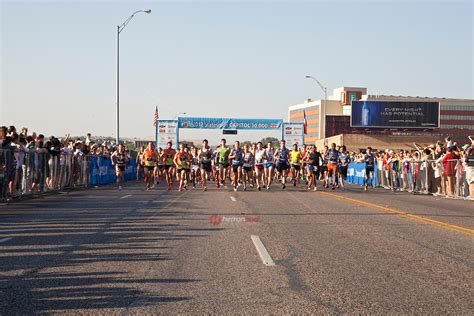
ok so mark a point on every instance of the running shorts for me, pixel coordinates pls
(332, 168)
(224, 165)
(150, 168)
(259, 166)
(368, 170)
(269, 165)
(343, 171)
(121, 168)
(282, 166)
(167, 167)
(247, 169)
(207, 166)
(235, 168)
(296, 167)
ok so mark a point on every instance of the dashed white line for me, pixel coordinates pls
(233, 199)
(126, 196)
(5, 239)
(263, 253)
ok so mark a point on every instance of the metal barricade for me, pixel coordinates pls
(7, 169)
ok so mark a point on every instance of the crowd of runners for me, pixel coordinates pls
(249, 166)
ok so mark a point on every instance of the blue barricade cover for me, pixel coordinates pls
(103, 172)
(356, 174)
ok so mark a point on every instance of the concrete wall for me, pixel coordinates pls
(354, 142)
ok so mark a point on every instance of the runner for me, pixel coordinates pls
(260, 158)
(236, 156)
(223, 161)
(140, 163)
(269, 165)
(343, 165)
(369, 168)
(281, 161)
(305, 151)
(295, 164)
(333, 162)
(182, 162)
(119, 160)
(149, 157)
(159, 166)
(167, 160)
(195, 174)
(205, 160)
(312, 159)
(215, 166)
(248, 165)
(324, 167)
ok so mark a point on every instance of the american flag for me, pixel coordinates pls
(155, 119)
(305, 123)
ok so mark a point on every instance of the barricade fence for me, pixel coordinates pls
(38, 172)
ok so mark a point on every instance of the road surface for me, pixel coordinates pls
(125, 252)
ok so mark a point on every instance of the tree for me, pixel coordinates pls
(267, 140)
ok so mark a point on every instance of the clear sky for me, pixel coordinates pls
(220, 58)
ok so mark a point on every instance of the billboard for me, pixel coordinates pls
(395, 114)
(293, 133)
(167, 130)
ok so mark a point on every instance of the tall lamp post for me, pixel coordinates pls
(119, 30)
(178, 115)
(322, 131)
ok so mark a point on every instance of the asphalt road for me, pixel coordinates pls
(131, 251)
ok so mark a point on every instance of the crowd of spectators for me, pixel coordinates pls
(30, 162)
(441, 169)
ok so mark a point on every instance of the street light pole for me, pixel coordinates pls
(322, 132)
(117, 127)
(119, 30)
(177, 115)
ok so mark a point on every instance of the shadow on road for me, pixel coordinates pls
(54, 240)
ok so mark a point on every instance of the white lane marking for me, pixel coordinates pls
(5, 239)
(126, 196)
(263, 253)
(233, 199)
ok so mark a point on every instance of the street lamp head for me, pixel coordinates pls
(147, 11)
(307, 76)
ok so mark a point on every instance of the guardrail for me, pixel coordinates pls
(39, 172)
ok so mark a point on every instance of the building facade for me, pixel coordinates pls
(331, 117)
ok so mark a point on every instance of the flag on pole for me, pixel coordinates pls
(155, 120)
(305, 123)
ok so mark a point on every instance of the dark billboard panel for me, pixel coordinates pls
(395, 114)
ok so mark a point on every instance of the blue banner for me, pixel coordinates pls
(103, 172)
(228, 123)
(356, 174)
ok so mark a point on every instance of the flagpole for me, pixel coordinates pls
(156, 129)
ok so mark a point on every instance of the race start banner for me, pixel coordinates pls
(293, 133)
(166, 131)
(228, 123)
